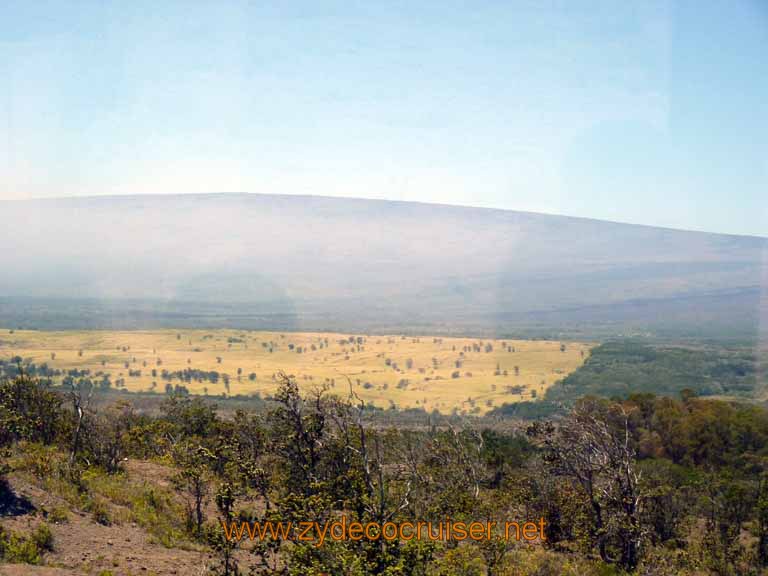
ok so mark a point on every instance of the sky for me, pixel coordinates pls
(645, 112)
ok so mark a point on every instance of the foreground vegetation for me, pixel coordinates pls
(649, 485)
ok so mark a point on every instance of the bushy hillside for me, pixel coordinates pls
(648, 485)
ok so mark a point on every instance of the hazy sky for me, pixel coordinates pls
(647, 112)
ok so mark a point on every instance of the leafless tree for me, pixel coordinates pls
(593, 447)
(81, 403)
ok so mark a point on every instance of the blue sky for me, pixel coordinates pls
(646, 112)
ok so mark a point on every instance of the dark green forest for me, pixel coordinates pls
(623, 367)
(616, 369)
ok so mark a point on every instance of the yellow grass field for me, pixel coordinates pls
(411, 372)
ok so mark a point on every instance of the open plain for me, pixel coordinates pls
(466, 375)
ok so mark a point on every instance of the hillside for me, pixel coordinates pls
(314, 263)
(189, 490)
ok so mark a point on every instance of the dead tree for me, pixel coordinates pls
(593, 448)
(81, 405)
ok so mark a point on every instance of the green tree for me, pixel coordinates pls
(192, 480)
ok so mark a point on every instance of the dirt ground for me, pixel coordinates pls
(82, 546)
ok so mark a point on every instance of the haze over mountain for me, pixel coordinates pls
(300, 262)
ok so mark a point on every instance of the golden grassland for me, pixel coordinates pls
(435, 373)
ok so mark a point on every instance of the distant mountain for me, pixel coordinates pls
(294, 262)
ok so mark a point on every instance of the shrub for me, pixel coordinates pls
(40, 461)
(17, 549)
(28, 410)
(100, 512)
(465, 560)
(58, 515)
(43, 538)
